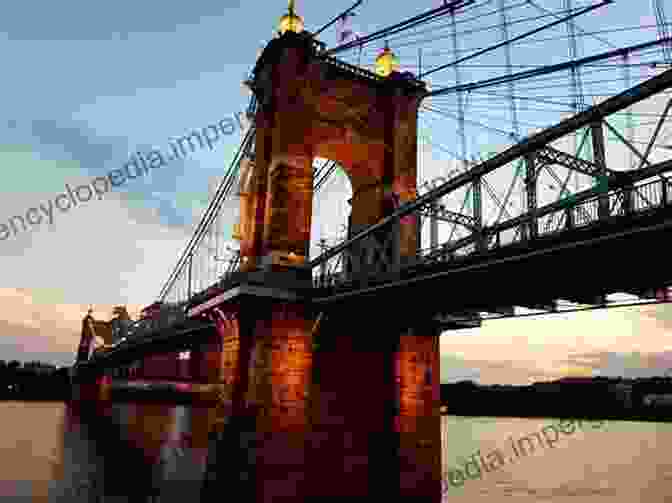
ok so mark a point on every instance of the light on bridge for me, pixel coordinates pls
(236, 234)
(386, 62)
(184, 355)
(291, 21)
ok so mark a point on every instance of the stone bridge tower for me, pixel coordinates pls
(312, 105)
(323, 404)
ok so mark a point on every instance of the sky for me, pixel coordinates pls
(86, 85)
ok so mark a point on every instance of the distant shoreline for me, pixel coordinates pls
(626, 417)
(182, 399)
(592, 398)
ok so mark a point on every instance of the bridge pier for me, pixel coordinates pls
(347, 406)
(376, 405)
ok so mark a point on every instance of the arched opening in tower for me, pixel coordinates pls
(331, 209)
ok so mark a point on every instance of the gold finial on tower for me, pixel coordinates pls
(386, 62)
(291, 21)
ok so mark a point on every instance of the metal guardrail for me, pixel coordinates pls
(367, 74)
(185, 332)
(643, 198)
(169, 316)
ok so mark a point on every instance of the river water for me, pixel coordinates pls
(159, 453)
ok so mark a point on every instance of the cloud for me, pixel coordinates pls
(626, 364)
(662, 314)
(99, 254)
(73, 154)
(455, 368)
(97, 156)
(118, 250)
(44, 331)
(617, 342)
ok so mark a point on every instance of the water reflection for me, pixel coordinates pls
(136, 452)
(150, 452)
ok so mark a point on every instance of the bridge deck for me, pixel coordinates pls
(618, 255)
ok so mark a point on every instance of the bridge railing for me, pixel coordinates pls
(645, 197)
(642, 197)
(623, 202)
(168, 316)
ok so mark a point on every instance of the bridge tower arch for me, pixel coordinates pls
(312, 105)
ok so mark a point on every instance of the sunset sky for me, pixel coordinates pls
(86, 84)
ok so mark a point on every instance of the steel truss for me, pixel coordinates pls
(615, 193)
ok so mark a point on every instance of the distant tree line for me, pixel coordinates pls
(33, 380)
(589, 398)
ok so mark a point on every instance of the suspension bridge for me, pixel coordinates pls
(425, 237)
